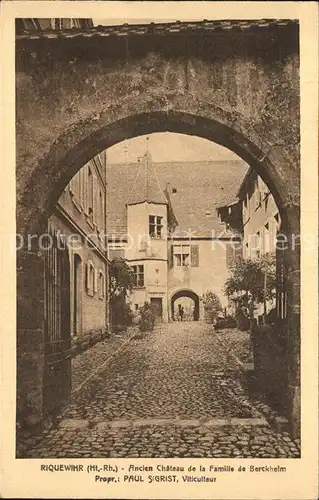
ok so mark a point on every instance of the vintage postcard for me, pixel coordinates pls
(159, 263)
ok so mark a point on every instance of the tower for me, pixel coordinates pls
(146, 251)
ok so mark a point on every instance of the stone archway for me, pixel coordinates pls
(185, 293)
(73, 102)
(61, 164)
(77, 146)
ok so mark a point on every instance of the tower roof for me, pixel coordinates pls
(146, 186)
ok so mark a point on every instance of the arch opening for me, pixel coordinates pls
(75, 148)
(63, 161)
(189, 313)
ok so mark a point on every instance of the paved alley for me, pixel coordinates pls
(175, 392)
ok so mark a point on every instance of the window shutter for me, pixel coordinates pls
(194, 255)
(171, 256)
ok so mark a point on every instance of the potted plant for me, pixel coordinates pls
(212, 306)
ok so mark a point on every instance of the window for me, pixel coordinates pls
(258, 244)
(138, 279)
(77, 295)
(267, 242)
(155, 226)
(186, 255)
(82, 187)
(90, 275)
(182, 255)
(90, 193)
(100, 205)
(101, 285)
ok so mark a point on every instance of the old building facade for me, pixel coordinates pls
(177, 252)
(255, 216)
(260, 215)
(79, 224)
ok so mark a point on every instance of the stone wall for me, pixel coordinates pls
(269, 349)
(30, 337)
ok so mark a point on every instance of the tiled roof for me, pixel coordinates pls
(201, 187)
(146, 185)
(177, 27)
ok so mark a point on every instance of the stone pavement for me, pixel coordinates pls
(175, 392)
(85, 364)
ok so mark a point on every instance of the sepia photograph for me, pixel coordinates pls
(158, 243)
(161, 328)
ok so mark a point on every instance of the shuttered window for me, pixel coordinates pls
(181, 255)
(185, 255)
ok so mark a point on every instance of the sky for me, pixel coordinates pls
(168, 147)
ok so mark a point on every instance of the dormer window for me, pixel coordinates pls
(155, 226)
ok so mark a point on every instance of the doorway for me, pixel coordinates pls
(157, 306)
(183, 295)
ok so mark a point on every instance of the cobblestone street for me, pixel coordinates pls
(175, 392)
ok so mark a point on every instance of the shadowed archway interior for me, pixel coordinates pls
(185, 293)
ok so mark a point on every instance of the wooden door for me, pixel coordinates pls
(157, 306)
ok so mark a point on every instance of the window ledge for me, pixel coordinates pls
(90, 292)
